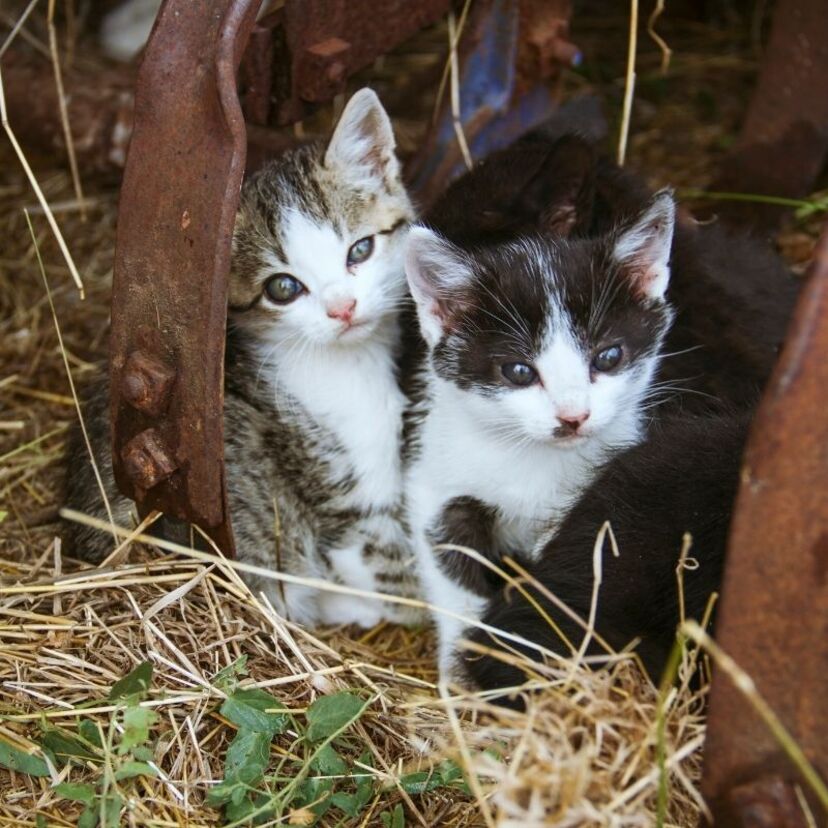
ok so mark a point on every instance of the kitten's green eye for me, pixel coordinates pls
(283, 288)
(360, 251)
(520, 374)
(607, 359)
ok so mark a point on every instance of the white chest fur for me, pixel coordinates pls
(353, 394)
(530, 483)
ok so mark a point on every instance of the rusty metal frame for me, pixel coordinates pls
(169, 302)
(783, 142)
(774, 615)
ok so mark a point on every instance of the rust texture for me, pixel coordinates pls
(784, 139)
(100, 110)
(318, 44)
(774, 614)
(178, 203)
(769, 802)
(147, 459)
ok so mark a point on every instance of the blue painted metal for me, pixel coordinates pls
(493, 113)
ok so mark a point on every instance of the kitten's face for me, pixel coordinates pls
(547, 340)
(319, 240)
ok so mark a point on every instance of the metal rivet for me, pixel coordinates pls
(147, 459)
(146, 383)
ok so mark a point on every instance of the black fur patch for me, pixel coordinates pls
(466, 521)
(684, 478)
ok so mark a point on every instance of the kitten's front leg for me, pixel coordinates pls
(454, 581)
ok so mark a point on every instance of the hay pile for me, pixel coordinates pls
(594, 747)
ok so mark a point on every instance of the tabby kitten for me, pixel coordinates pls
(313, 409)
(540, 356)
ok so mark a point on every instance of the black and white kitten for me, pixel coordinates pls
(313, 408)
(541, 353)
(733, 294)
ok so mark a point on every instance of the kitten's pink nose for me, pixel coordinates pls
(344, 311)
(572, 422)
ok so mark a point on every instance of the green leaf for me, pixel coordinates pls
(348, 803)
(66, 745)
(88, 817)
(227, 678)
(40, 820)
(315, 793)
(143, 753)
(3, 515)
(329, 714)
(364, 791)
(395, 818)
(88, 730)
(328, 762)
(130, 769)
(18, 760)
(237, 811)
(137, 683)
(449, 771)
(112, 805)
(420, 782)
(221, 793)
(137, 722)
(247, 757)
(77, 793)
(249, 708)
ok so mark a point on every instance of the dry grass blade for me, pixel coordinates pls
(4, 119)
(17, 27)
(64, 114)
(629, 84)
(75, 400)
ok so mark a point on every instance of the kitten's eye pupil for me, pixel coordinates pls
(283, 288)
(607, 359)
(519, 373)
(360, 251)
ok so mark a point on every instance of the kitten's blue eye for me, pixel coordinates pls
(520, 374)
(283, 288)
(360, 251)
(607, 359)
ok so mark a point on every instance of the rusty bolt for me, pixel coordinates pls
(769, 802)
(567, 53)
(147, 459)
(146, 383)
(324, 69)
(337, 72)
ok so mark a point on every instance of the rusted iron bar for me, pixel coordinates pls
(99, 109)
(303, 53)
(178, 204)
(783, 143)
(774, 615)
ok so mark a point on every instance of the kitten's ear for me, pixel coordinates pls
(562, 191)
(362, 146)
(439, 277)
(643, 249)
